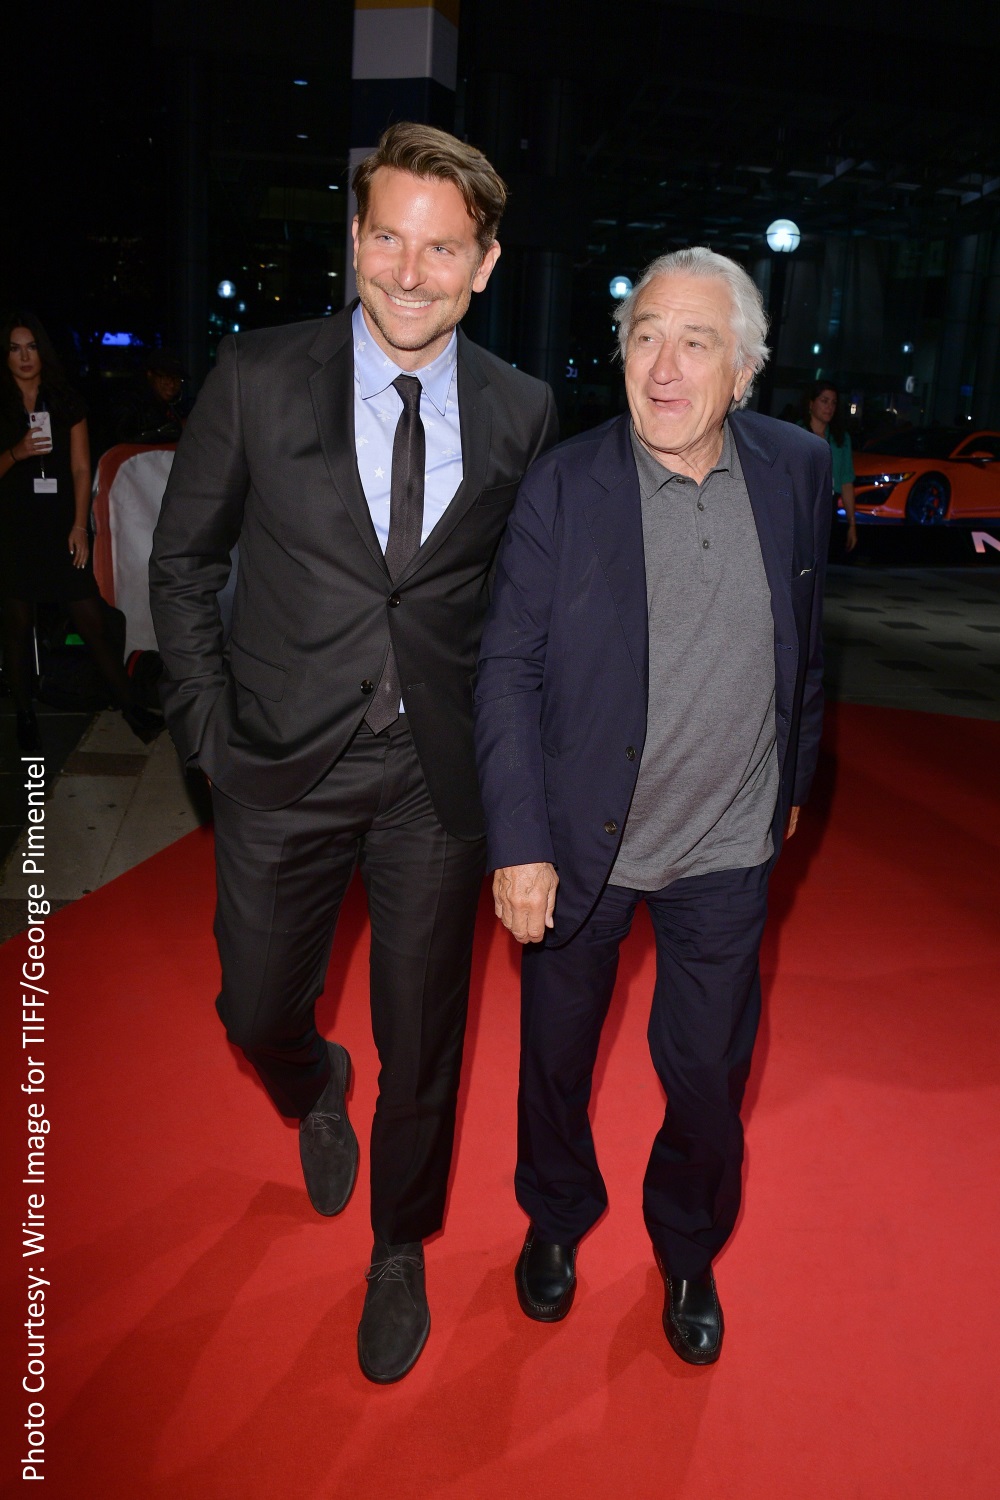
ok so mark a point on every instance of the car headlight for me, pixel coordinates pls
(880, 479)
(875, 489)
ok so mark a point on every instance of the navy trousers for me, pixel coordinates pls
(702, 1025)
(281, 877)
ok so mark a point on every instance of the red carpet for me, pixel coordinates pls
(200, 1329)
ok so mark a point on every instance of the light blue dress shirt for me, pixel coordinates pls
(376, 411)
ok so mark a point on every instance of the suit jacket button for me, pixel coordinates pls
(393, 599)
(630, 752)
(367, 687)
(611, 826)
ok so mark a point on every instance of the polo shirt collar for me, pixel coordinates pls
(657, 474)
(725, 460)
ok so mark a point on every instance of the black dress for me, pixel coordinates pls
(35, 561)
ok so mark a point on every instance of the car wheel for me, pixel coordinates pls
(927, 502)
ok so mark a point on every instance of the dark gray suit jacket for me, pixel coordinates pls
(268, 460)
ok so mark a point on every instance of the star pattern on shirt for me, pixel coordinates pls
(362, 441)
(380, 472)
(361, 346)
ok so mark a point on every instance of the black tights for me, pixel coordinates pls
(88, 618)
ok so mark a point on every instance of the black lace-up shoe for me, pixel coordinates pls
(395, 1320)
(328, 1146)
(692, 1317)
(545, 1279)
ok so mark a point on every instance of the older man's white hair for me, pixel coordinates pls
(749, 320)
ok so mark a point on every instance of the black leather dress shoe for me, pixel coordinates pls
(328, 1147)
(692, 1317)
(545, 1278)
(395, 1320)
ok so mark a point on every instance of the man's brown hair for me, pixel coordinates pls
(427, 152)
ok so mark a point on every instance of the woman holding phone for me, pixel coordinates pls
(44, 506)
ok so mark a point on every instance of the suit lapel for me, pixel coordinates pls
(614, 516)
(332, 390)
(476, 423)
(769, 486)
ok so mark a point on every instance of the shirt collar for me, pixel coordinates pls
(725, 460)
(657, 474)
(375, 372)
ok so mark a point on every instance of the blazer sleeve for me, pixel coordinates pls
(508, 696)
(199, 524)
(549, 432)
(811, 714)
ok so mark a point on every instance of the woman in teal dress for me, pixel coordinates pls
(821, 418)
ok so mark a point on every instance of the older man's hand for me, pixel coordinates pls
(524, 898)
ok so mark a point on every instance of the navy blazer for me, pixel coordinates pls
(563, 670)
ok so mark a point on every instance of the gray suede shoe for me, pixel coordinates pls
(328, 1147)
(395, 1320)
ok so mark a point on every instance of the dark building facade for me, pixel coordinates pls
(208, 148)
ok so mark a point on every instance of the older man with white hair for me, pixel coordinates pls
(649, 706)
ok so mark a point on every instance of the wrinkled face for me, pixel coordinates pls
(23, 359)
(824, 407)
(167, 387)
(680, 369)
(417, 263)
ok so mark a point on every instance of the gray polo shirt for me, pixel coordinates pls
(708, 781)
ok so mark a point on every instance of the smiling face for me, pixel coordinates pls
(417, 262)
(680, 370)
(23, 359)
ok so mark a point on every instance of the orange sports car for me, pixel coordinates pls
(930, 476)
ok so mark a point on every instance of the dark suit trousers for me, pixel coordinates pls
(702, 1026)
(281, 879)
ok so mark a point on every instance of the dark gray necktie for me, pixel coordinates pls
(406, 519)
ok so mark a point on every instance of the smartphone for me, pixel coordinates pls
(41, 422)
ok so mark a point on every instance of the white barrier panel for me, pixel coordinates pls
(128, 492)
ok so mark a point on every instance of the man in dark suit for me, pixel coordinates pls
(648, 714)
(365, 465)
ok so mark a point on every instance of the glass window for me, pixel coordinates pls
(922, 442)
